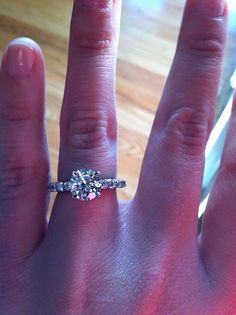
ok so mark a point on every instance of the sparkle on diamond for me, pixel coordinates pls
(86, 184)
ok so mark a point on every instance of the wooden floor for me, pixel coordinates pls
(149, 30)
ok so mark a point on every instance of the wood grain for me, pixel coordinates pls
(149, 31)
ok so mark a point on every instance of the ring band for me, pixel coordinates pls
(86, 184)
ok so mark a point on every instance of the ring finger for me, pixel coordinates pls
(88, 118)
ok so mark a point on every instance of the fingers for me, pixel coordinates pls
(24, 163)
(171, 179)
(88, 117)
(218, 232)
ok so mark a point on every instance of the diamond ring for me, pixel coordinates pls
(86, 184)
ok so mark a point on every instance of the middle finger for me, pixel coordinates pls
(171, 179)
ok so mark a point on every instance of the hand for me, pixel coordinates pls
(103, 257)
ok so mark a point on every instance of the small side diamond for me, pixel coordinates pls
(109, 183)
(66, 186)
(52, 187)
(122, 184)
(59, 186)
(112, 184)
(104, 184)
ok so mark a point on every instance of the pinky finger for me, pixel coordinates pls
(24, 163)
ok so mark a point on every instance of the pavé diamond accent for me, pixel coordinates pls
(86, 184)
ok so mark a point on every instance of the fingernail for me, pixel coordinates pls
(19, 58)
(213, 8)
(100, 4)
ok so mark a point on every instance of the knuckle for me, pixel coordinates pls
(186, 131)
(99, 43)
(88, 130)
(206, 46)
(98, 34)
(208, 40)
(13, 112)
(18, 177)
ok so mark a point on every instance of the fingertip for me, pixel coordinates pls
(26, 43)
(20, 57)
(99, 4)
(210, 8)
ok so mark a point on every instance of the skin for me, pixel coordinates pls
(103, 257)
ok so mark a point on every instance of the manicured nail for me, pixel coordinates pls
(100, 4)
(19, 58)
(215, 8)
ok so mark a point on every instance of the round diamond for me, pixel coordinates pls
(85, 184)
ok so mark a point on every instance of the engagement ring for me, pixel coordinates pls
(86, 184)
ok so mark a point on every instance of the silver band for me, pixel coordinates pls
(106, 184)
(86, 184)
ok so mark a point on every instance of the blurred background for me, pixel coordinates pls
(149, 31)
